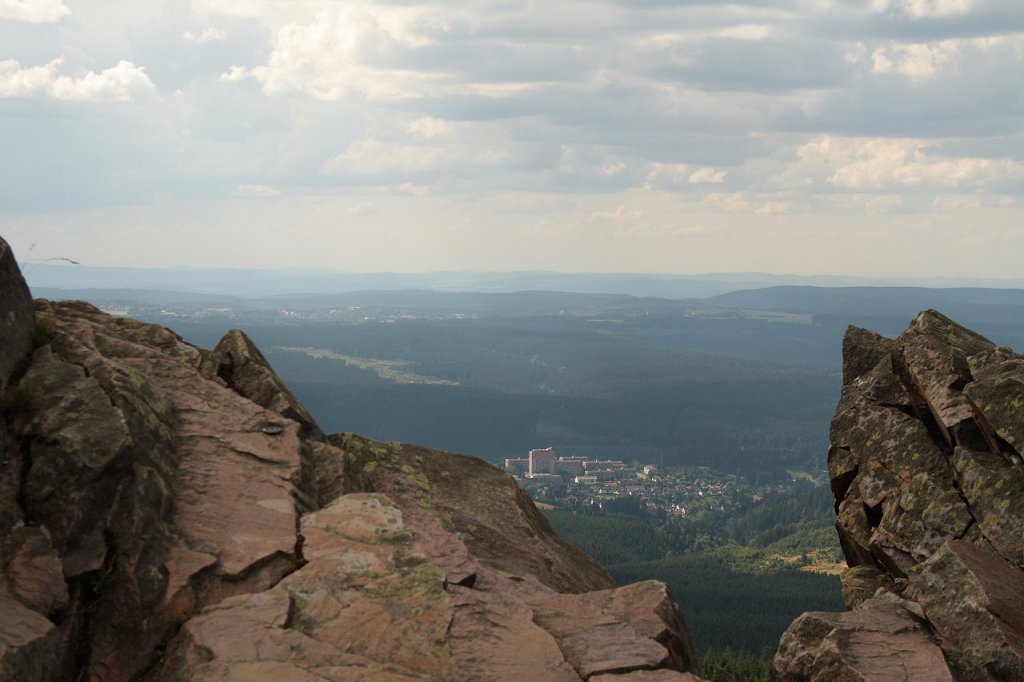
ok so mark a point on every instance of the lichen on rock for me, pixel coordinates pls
(925, 464)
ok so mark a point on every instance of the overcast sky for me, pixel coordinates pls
(861, 137)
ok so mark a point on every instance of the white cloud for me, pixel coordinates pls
(923, 9)
(747, 32)
(257, 191)
(881, 204)
(707, 175)
(610, 170)
(899, 163)
(34, 11)
(705, 116)
(667, 176)
(878, 165)
(916, 60)
(122, 83)
(414, 189)
(208, 35)
(234, 74)
(18, 82)
(364, 208)
(428, 127)
(376, 157)
(348, 50)
(956, 202)
(373, 157)
(732, 202)
(773, 208)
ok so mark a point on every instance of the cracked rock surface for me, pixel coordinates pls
(927, 477)
(172, 513)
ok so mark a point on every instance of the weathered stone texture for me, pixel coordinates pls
(980, 622)
(926, 473)
(17, 318)
(881, 640)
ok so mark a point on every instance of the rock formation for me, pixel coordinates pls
(927, 476)
(172, 513)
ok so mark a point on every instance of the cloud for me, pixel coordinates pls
(916, 60)
(347, 50)
(121, 83)
(698, 117)
(428, 127)
(34, 11)
(371, 157)
(924, 9)
(363, 208)
(18, 82)
(956, 202)
(880, 204)
(234, 74)
(773, 207)
(904, 163)
(707, 175)
(208, 35)
(774, 64)
(257, 191)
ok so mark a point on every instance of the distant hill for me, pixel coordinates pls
(997, 313)
(250, 283)
(867, 300)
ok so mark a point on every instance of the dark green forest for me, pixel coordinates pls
(786, 523)
(730, 605)
(745, 382)
(631, 390)
(727, 570)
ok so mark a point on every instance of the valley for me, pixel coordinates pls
(728, 407)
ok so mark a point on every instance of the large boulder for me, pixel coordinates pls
(883, 639)
(18, 333)
(926, 471)
(17, 317)
(981, 621)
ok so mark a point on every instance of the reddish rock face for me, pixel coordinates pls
(880, 640)
(172, 513)
(927, 476)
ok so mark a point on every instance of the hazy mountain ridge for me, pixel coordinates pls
(743, 379)
(260, 283)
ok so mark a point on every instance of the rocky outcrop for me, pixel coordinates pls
(172, 513)
(926, 471)
(883, 639)
(17, 321)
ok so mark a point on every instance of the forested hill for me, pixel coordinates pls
(743, 382)
(643, 389)
(742, 575)
(996, 313)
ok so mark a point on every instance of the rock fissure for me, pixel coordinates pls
(946, 441)
(24, 454)
(260, 458)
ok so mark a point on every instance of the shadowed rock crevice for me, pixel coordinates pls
(930, 506)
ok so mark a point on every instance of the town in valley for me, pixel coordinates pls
(579, 482)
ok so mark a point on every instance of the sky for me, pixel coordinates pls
(852, 137)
